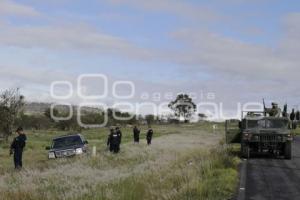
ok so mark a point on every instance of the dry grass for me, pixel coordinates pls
(187, 164)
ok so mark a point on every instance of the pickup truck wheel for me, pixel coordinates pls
(288, 150)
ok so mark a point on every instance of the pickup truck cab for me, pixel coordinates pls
(67, 146)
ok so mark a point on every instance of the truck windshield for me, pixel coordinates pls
(252, 124)
(276, 124)
(267, 123)
(66, 142)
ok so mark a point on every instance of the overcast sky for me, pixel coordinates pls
(241, 50)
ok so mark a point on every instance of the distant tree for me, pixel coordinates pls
(121, 118)
(92, 118)
(150, 119)
(140, 119)
(129, 118)
(62, 112)
(35, 121)
(11, 104)
(183, 107)
(70, 124)
(47, 113)
(110, 116)
(202, 116)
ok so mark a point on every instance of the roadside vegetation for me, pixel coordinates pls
(186, 161)
(297, 130)
(197, 175)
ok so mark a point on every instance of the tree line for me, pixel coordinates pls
(12, 115)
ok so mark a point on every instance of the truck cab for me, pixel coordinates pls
(67, 146)
(260, 134)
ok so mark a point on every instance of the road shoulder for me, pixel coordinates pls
(243, 176)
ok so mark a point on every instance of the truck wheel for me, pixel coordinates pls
(245, 151)
(288, 150)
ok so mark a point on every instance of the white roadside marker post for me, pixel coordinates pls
(94, 151)
(214, 128)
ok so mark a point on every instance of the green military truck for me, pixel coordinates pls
(260, 133)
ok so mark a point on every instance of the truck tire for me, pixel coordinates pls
(288, 150)
(245, 149)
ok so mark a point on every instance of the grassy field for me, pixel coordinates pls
(296, 131)
(186, 161)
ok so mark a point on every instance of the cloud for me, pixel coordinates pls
(70, 37)
(237, 70)
(223, 55)
(290, 44)
(179, 8)
(34, 82)
(8, 7)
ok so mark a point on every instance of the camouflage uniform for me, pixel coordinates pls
(275, 111)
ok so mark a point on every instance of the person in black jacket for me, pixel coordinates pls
(113, 141)
(17, 147)
(136, 134)
(119, 133)
(292, 118)
(292, 115)
(149, 136)
(298, 115)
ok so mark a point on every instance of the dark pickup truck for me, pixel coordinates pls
(67, 146)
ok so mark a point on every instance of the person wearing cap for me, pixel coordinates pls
(119, 134)
(17, 147)
(136, 134)
(149, 135)
(113, 141)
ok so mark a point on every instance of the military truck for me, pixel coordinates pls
(260, 133)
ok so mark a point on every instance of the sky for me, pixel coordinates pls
(239, 50)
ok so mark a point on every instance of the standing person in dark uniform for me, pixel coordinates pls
(292, 115)
(298, 115)
(136, 134)
(113, 141)
(119, 134)
(149, 136)
(110, 139)
(297, 118)
(292, 118)
(17, 147)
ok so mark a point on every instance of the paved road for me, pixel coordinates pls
(272, 179)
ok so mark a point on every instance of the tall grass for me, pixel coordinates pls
(198, 175)
(179, 166)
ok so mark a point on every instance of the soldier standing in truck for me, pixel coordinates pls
(275, 111)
